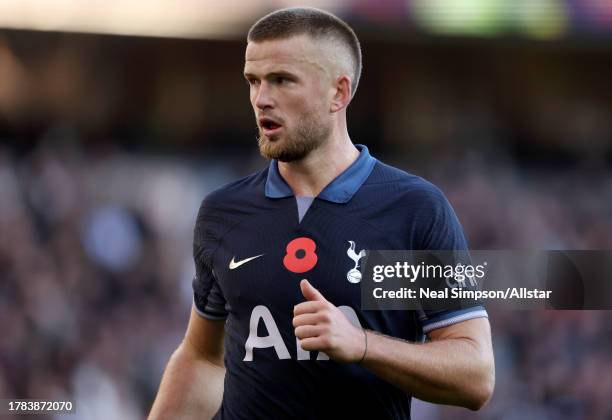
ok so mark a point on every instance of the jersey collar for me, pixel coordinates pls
(340, 190)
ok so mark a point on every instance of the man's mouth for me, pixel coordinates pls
(269, 126)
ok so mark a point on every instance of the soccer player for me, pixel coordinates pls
(276, 330)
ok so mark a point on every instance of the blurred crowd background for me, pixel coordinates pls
(110, 138)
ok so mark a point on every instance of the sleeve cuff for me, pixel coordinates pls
(210, 315)
(454, 317)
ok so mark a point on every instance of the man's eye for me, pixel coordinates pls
(281, 80)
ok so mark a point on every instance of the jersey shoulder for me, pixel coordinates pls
(228, 205)
(238, 191)
(413, 205)
(405, 187)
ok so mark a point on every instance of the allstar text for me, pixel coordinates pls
(460, 293)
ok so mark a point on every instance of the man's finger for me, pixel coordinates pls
(313, 344)
(310, 293)
(308, 307)
(308, 319)
(307, 331)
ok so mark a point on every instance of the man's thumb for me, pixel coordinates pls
(309, 292)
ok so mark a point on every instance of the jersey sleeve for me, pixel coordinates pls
(441, 229)
(208, 298)
(443, 232)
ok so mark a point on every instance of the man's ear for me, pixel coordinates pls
(342, 93)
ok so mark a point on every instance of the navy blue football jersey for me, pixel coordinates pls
(251, 250)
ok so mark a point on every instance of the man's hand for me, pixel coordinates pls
(321, 326)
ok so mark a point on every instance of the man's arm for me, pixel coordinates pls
(192, 385)
(455, 367)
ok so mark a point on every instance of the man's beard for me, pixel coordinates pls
(308, 136)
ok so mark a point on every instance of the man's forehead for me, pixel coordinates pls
(296, 49)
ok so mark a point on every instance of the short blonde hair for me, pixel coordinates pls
(317, 24)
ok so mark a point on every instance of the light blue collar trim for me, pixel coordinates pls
(340, 190)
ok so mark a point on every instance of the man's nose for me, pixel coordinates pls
(263, 98)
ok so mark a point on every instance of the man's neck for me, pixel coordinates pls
(312, 174)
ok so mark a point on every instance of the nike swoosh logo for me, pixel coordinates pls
(235, 264)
